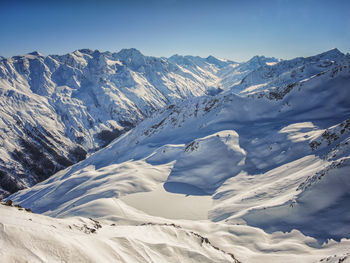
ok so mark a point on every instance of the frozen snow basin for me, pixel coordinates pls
(173, 201)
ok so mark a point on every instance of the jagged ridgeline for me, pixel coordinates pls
(56, 110)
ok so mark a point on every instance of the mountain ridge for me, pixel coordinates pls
(88, 98)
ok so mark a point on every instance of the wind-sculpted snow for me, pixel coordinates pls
(207, 168)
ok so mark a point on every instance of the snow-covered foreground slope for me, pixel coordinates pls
(27, 237)
(267, 175)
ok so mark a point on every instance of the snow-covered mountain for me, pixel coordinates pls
(265, 176)
(273, 75)
(56, 110)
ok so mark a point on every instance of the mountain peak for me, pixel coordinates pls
(334, 52)
(257, 58)
(217, 61)
(262, 60)
(131, 57)
(86, 51)
(129, 52)
(179, 59)
(36, 53)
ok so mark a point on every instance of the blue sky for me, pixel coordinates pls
(232, 29)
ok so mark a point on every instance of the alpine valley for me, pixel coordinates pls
(128, 158)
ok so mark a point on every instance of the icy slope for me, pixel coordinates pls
(273, 161)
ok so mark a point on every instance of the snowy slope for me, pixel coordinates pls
(233, 74)
(27, 237)
(267, 173)
(290, 71)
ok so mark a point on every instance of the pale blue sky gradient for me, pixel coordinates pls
(233, 29)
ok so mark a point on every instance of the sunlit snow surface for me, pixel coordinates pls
(267, 176)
